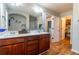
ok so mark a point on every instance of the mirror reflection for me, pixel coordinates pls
(22, 17)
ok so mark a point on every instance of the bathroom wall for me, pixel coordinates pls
(75, 28)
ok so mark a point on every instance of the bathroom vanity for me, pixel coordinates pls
(25, 44)
(31, 38)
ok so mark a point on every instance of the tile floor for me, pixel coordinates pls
(60, 48)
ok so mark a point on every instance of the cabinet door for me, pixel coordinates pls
(44, 44)
(18, 49)
(48, 43)
(32, 47)
(5, 50)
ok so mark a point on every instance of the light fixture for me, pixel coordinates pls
(16, 4)
(38, 9)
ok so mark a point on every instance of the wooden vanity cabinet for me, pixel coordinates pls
(28, 45)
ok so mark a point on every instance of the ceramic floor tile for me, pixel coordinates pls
(60, 48)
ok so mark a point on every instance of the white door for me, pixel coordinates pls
(56, 29)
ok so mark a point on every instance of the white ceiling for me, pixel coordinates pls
(58, 7)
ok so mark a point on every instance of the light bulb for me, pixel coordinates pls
(38, 9)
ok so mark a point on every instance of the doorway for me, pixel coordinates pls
(50, 26)
(66, 28)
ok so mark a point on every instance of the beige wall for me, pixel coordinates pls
(63, 27)
(75, 28)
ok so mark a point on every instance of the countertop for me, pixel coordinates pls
(20, 35)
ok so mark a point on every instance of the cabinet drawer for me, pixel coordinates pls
(33, 38)
(45, 36)
(11, 41)
(32, 42)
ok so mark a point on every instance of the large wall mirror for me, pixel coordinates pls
(23, 17)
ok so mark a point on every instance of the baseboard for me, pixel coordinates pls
(75, 51)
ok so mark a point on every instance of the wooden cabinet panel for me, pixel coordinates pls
(18, 49)
(11, 41)
(42, 46)
(34, 52)
(36, 37)
(45, 36)
(32, 42)
(26, 39)
(25, 48)
(25, 43)
(5, 50)
(48, 43)
(33, 46)
(44, 43)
